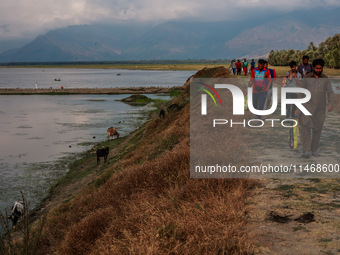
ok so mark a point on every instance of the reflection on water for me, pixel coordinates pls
(38, 132)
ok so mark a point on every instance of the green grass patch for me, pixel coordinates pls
(316, 189)
(170, 231)
(86, 143)
(300, 228)
(102, 179)
(77, 171)
(85, 165)
(327, 205)
(166, 145)
(325, 240)
(323, 188)
(159, 102)
(287, 190)
(315, 180)
(137, 100)
(175, 92)
(285, 187)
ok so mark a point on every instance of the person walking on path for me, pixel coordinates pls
(292, 80)
(321, 89)
(252, 65)
(233, 66)
(245, 66)
(269, 86)
(258, 82)
(305, 68)
(238, 67)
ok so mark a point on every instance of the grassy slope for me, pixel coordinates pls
(143, 200)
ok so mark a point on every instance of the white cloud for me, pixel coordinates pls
(22, 18)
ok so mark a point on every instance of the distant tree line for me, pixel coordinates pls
(329, 50)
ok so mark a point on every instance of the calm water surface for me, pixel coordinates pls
(89, 78)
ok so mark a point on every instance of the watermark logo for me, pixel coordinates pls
(204, 97)
(238, 100)
(233, 134)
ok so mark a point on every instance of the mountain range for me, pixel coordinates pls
(250, 37)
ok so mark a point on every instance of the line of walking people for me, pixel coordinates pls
(307, 76)
(238, 66)
(262, 79)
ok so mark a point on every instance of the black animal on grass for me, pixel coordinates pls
(102, 153)
(162, 114)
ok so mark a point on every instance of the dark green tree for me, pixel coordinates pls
(329, 50)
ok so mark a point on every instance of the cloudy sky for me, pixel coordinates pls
(29, 18)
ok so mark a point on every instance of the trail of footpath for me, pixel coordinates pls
(296, 215)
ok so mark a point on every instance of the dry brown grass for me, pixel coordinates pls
(152, 206)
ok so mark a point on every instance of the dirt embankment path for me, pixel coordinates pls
(296, 215)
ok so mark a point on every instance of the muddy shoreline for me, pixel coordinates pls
(88, 91)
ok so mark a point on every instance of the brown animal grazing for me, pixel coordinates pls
(112, 132)
(102, 153)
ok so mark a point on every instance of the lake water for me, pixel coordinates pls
(39, 132)
(89, 78)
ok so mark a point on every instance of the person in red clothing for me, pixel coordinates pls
(269, 86)
(238, 67)
(260, 77)
(245, 66)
